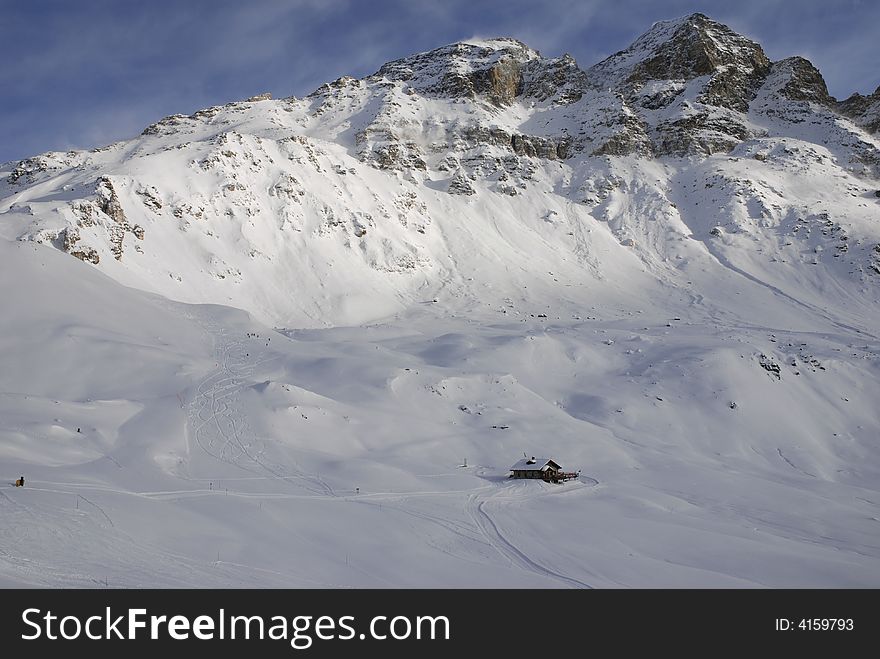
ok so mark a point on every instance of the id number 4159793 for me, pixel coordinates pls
(815, 624)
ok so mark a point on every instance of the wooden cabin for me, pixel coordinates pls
(544, 468)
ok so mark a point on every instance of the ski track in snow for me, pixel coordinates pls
(822, 313)
(65, 525)
(490, 531)
(213, 409)
(793, 465)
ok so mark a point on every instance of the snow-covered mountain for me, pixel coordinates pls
(663, 269)
(363, 195)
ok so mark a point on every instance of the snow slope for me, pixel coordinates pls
(303, 339)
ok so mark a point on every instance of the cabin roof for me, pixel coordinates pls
(533, 464)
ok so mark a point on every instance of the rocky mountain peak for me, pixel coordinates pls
(495, 70)
(684, 49)
(491, 68)
(797, 79)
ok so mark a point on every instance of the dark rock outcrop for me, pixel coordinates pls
(501, 83)
(27, 169)
(108, 201)
(265, 96)
(460, 184)
(559, 79)
(863, 110)
(804, 82)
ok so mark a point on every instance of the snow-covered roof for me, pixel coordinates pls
(533, 464)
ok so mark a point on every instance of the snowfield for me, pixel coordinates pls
(304, 340)
(214, 451)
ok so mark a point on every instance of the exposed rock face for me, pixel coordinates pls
(628, 132)
(539, 147)
(559, 80)
(151, 199)
(384, 149)
(30, 169)
(700, 133)
(109, 204)
(460, 184)
(498, 71)
(863, 110)
(27, 169)
(683, 88)
(804, 82)
(69, 239)
(89, 254)
(167, 124)
(464, 70)
(108, 201)
(500, 83)
(685, 49)
(665, 62)
(492, 74)
(795, 93)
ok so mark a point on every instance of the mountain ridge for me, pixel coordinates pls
(360, 171)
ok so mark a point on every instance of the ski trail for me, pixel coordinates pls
(103, 512)
(493, 535)
(811, 308)
(793, 465)
(460, 529)
(222, 432)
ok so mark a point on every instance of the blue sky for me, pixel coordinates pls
(80, 74)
